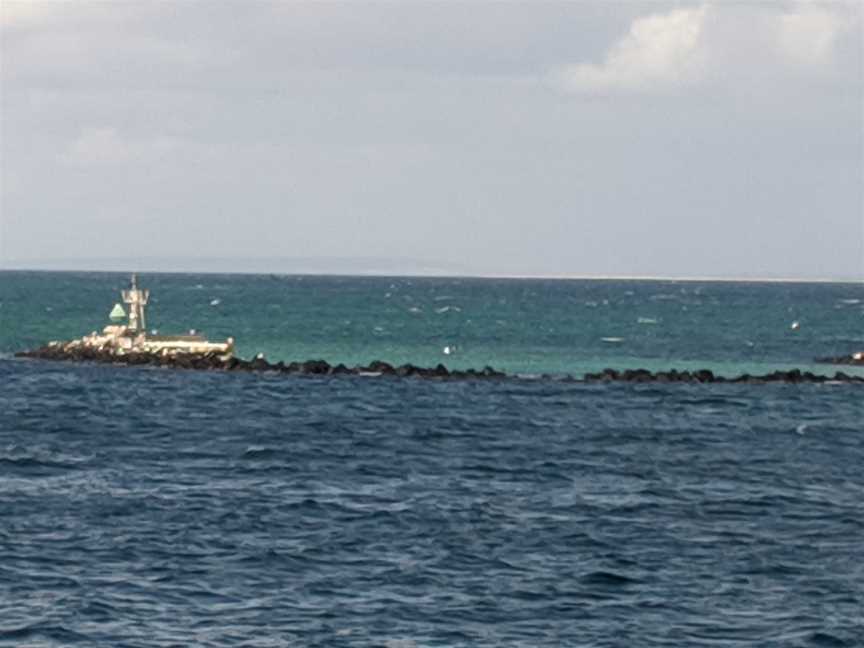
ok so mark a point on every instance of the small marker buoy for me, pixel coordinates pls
(795, 326)
(447, 350)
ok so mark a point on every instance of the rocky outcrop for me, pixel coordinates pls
(853, 359)
(707, 376)
(217, 362)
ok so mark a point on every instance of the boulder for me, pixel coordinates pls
(315, 367)
(378, 366)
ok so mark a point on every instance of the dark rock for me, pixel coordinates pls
(853, 359)
(704, 376)
(183, 361)
(315, 367)
(406, 370)
(377, 366)
(260, 364)
(210, 361)
(636, 375)
(244, 365)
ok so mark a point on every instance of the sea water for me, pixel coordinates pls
(152, 507)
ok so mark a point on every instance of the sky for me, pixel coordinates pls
(534, 139)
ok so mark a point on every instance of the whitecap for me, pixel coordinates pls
(646, 320)
(258, 451)
(612, 340)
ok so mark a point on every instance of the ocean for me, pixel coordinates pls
(155, 507)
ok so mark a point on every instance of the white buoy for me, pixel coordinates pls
(447, 350)
(795, 326)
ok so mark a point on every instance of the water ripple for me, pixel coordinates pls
(248, 511)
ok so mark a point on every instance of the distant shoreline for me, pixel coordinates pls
(435, 275)
(671, 279)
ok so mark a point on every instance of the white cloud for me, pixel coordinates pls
(659, 50)
(716, 43)
(808, 36)
(26, 13)
(15, 13)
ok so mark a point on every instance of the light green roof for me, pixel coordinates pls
(117, 312)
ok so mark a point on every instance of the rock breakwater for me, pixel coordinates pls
(707, 376)
(217, 362)
(853, 359)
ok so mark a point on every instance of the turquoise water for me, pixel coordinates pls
(522, 326)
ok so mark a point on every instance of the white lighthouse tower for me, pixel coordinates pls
(137, 300)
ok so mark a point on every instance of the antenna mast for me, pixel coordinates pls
(137, 300)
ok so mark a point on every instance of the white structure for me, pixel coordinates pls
(137, 300)
(132, 337)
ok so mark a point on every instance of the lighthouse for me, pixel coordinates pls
(137, 300)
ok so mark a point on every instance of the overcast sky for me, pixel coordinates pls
(651, 138)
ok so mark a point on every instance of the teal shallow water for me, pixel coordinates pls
(520, 326)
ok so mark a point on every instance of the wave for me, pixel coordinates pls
(607, 578)
(17, 457)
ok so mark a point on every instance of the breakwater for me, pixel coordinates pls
(217, 362)
(708, 376)
(853, 359)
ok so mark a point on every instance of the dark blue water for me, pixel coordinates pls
(150, 507)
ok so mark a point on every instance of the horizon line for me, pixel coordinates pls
(445, 275)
